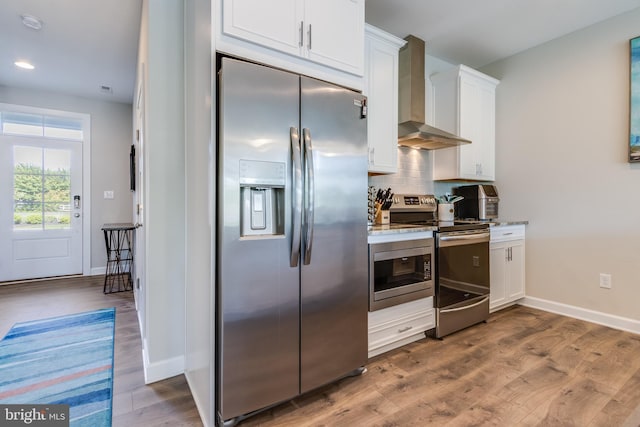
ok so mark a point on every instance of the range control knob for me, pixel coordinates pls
(396, 200)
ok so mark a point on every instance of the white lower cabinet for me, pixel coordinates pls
(507, 266)
(399, 325)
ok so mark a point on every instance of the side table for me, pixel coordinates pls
(118, 238)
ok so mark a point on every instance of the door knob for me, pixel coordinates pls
(77, 215)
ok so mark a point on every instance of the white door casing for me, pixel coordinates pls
(44, 234)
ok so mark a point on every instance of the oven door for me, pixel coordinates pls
(399, 272)
(462, 283)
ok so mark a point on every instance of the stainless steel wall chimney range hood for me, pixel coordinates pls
(412, 130)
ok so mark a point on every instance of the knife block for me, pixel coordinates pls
(382, 217)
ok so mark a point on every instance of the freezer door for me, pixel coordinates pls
(334, 290)
(257, 289)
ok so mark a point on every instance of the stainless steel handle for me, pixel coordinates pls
(310, 195)
(463, 239)
(405, 329)
(300, 42)
(451, 310)
(296, 195)
(308, 38)
(511, 254)
(507, 234)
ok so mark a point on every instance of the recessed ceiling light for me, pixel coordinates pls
(24, 64)
(31, 22)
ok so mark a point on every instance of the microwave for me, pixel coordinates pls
(479, 202)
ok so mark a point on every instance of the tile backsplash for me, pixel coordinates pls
(413, 176)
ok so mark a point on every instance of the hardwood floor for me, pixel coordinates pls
(524, 367)
(167, 402)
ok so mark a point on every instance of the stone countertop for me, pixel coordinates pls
(375, 230)
(501, 222)
(399, 229)
(494, 222)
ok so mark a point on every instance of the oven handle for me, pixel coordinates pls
(463, 239)
(451, 310)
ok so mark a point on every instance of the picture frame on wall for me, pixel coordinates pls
(634, 100)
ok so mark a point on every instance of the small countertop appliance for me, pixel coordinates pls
(480, 202)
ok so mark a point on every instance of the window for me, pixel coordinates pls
(25, 124)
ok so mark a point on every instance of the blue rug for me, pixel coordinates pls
(62, 360)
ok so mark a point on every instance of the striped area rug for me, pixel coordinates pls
(62, 360)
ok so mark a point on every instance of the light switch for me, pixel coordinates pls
(108, 194)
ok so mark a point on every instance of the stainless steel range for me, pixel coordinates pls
(461, 262)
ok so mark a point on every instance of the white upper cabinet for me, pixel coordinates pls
(328, 32)
(463, 103)
(335, 33)
(273, 23)
(381, 89)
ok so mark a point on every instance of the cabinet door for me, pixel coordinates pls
(477, 123)
(464, 103)
(498, 270)
(275, 23)
(515, 278)
(381, 83)
(334, 33)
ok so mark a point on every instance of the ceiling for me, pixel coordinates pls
(83, 45)
(86, 44)
(477, 33)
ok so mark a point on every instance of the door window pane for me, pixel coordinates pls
(41, 188)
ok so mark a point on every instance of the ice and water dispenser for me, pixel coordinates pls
(262, 187)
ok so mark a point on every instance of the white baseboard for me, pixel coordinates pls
(98, 271)
(160, 370)
(610, 320)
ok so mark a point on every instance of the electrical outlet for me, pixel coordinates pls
(605, 280)
(108, 194)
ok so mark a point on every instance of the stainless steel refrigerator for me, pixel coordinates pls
(292, 236)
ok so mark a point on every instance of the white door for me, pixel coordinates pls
(140, 238)
(41, 199)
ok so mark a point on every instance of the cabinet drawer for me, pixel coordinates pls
(386, 330)
(505, 233)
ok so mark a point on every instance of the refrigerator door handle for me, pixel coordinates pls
(296, 195)
(310, 195)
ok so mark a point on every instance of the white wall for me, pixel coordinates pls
(561, 155)
(199, 155)
(161, 51)
(111, 138)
